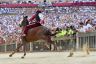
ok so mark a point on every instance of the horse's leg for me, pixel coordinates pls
(71, 44)
(51, 42)
(24, 49)
(16, 50)
(71, 53)
(47, 46)
(86, 49)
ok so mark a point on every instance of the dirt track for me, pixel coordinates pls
(48, 58)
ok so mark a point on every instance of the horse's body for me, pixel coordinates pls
(34, 34)
(39, 33)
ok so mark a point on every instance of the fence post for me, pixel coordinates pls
(77, 41)
(16, 45)
(95, 41)
(31, 47)
(5, 47)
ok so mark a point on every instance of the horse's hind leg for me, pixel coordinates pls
(71, 45)
(86, 48)
(16, 50)
(51, 42)
(24, 49)
(71, 53)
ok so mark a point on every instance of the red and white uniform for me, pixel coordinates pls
(41, 16)
(39, 20)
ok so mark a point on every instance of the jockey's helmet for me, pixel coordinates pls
(39, 11)
(25, 16)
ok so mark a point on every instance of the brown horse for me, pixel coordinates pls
(34, 34)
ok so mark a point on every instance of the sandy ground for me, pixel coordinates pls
(48, 58)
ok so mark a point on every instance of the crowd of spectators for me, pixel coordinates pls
(61, 17)
(42, 2)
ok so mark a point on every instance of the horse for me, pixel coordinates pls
(35, 34)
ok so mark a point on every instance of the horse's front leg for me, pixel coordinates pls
(24, 49)
(71, 46)
(16, 50)
(71, 52)
(53, 46)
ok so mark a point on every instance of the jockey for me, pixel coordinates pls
(23, 23)
(38, 17)
(38, 20)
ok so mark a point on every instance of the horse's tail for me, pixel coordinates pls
(53, 34)
(50, 33)
(56, 32)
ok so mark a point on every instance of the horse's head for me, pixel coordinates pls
(25, 18)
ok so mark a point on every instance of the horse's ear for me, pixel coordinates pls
(23, 16)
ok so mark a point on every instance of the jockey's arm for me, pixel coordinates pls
(42, 18)
(42, 21)
(32, 18)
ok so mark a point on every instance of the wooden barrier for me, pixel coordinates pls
(63, 43)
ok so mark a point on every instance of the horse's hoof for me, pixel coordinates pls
(88, 53)
(22, 57)
(71, 54)
(10, 55)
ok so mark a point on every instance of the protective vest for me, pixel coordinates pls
(70, 32)
(61, 34)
